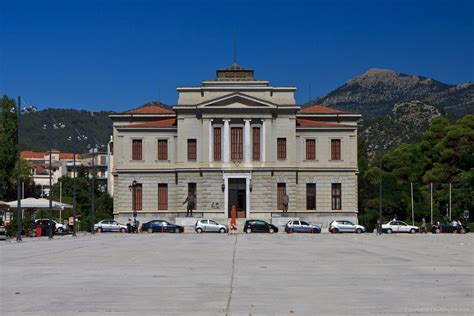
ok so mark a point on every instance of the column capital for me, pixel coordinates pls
(226, 120)
(247, 120)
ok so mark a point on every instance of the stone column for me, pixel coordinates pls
(247, 147)
(226, 142)
(211, 142)
(263, 142)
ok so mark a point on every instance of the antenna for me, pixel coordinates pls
(235, 49)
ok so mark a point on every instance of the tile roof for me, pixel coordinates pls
(160, 123)
(311, 123)
(316, 109)
(151, 108)
(68, 156)
(31, 155)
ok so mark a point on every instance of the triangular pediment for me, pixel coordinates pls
(236, 100)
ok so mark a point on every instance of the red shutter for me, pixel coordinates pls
(137, 198)
(335, 149)
(281, 148)
(137, 149)
(311, 196)
(237, 145)
(162, 149)
(162, 196)
(217, 144)
(256, 144)
(336, 196)
(310, 149)
(281, 190)
(192, 154)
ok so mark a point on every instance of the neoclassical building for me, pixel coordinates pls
(235, 140)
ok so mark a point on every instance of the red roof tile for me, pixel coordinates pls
(151, 108)
(68, 156)
(312, 123)
(31, 155)
(161, 123)
(315, 109)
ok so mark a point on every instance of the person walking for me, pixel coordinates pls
(423, 225)
(233, 220)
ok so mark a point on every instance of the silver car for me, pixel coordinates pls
(344, 226)
(108, 225)
(209, 226)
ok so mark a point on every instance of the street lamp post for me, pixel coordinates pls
(380, 197)
(50, 196)
(93, 192)
(18, 184)
(74, 195)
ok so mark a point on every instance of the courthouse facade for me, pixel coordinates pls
(237, 141)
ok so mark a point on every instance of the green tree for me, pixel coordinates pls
(8, 147)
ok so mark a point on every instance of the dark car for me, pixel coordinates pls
(259, 226)
(44, 224)
(448, 227)
(162, 226)
(297, 226)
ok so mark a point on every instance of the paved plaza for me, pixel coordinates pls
(279, 274)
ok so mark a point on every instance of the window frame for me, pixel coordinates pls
(137, 153)
(160, 154)
(236, 143)
(162, 189)
(281, 190)
(336, 196)
(310, 199)
(281, 148)
(191, 155)
(336, 149)
(137, 197)
(310, 153)
(256, 143)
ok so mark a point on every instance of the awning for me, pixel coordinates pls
(38, 204)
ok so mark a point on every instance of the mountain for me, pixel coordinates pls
(374, 94)
(60, 128)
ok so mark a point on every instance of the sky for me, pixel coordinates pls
(116, 55)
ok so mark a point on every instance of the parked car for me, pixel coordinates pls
(162, 226)
(58, 228)
(344, 226)
(209, 226)
(297, 226)
(44, 223)
(448, 227)
(399, 227)
(259, 226)
(3, 232)
(109, 225)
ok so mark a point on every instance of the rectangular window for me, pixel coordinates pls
(256, 144)
(137, 149)
(162, 196)
(192, 189)
(281, 148)
(137, 197)
(310, 149)
(281, 191)
(311, 196)
(237, 144)
(336, 196)
(335, 149)
(192, 150)
(162, 149)
(217, 144)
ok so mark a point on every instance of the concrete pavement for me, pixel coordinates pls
(257, 274)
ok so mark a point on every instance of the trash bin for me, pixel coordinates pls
(38, 231)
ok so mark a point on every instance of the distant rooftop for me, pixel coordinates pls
(235, 73)
(152, 108)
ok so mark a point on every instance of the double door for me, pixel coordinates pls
(237, 196)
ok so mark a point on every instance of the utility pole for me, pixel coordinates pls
(50, 196)
(60, 200)
(412, 206)
(93, 191)
(380, 196)
(431, 202)
(18, 185)
(74, 196)
(450, 210)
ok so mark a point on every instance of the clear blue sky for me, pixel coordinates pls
(115, 55)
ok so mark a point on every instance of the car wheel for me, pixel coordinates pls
(358, 231)
(271, 230)
(248, 230)
(290, 231)
(412, 231)
(150, 230)
(437, 231)
(122, 230)
(199, 230)
(100, 230)
(176, 230)
(222, 230)
(335, 230)
(389, 231)
(60, 230)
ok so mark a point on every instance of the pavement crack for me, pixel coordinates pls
(229, 299)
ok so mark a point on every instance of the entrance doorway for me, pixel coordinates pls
(237, 195)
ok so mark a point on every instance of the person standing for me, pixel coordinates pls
(191, 200)
(286, 202)
(233, 220)
(423, 225)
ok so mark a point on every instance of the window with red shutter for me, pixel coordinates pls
(256, 144)
(281, 148)
(336, 196)
(136, 149)
(217, 144)
(281, 190)
(162, 149)
(335, 149)
(162, 196)
(137, 197)
(311, 196)
(310, 149)
(192, 150)
(237, 144)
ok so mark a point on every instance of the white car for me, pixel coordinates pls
(60, 228)
(108, 225)
(344, 226)
(209, 226)
(399, 227)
